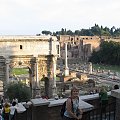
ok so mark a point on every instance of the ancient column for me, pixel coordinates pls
(90, 68)
(36, 66)
(54, 71)
(50, 77)
(7, 71)
(66, 62)
(54, 76)
(37, 86)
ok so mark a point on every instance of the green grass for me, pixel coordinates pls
(19, 71)
(107, 67)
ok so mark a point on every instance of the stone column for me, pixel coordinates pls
(54, 75)
(90, 68)
(54, 71)
(7, 71)
(66, 62)
(33, 81)
(37, 86)
(36, 68)
(116, 94)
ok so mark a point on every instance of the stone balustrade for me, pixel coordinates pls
(43, 109)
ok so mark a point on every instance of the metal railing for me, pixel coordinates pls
(102, 113)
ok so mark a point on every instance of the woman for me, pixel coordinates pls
(72, 106)
(103, 101)
(103, 97)
(6, 111)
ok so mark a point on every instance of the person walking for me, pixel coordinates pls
(103, 101)
(1, 112)
(73, 112)
(12, 111)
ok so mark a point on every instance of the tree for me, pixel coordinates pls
(63, 31)
(69, 32)
(19, 91)
(77, 32)
(46, 32)
(86, 32)
(109, 53)
(96, 30)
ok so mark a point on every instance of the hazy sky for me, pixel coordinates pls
(30, 17)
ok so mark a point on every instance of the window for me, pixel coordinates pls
(21, 47)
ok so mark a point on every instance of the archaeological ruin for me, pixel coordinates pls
(37, 53)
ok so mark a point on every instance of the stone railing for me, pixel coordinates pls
(42, 109)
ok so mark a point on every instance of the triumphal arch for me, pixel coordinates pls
(37, 53)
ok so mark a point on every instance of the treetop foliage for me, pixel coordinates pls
(109, 53)
(95, 30)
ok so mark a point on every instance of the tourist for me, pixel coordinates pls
(6, 111)
(1, 118)
(116, 87)
(73, 112)
(1, 111)
(103, 100)
(2, 100)
(12, 111)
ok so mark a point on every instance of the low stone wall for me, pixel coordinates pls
(51, 110)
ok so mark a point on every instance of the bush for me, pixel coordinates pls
(19, 91)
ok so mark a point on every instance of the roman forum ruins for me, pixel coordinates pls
(37, 53)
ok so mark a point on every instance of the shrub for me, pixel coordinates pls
(19, 91)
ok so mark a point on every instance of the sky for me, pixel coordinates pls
(30, 17)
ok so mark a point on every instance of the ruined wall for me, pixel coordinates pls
(79, 46)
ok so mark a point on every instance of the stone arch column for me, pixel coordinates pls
(35, 78)
(54, 71)
(46, 86)
(54, 75)
(7, 70)
(50, 75)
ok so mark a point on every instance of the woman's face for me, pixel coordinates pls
(75, 92)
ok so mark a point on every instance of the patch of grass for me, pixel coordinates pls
(107, 67)
(19, 71)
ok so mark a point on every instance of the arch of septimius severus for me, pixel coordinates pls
(37, 53)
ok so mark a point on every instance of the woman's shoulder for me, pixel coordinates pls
(69, 100)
